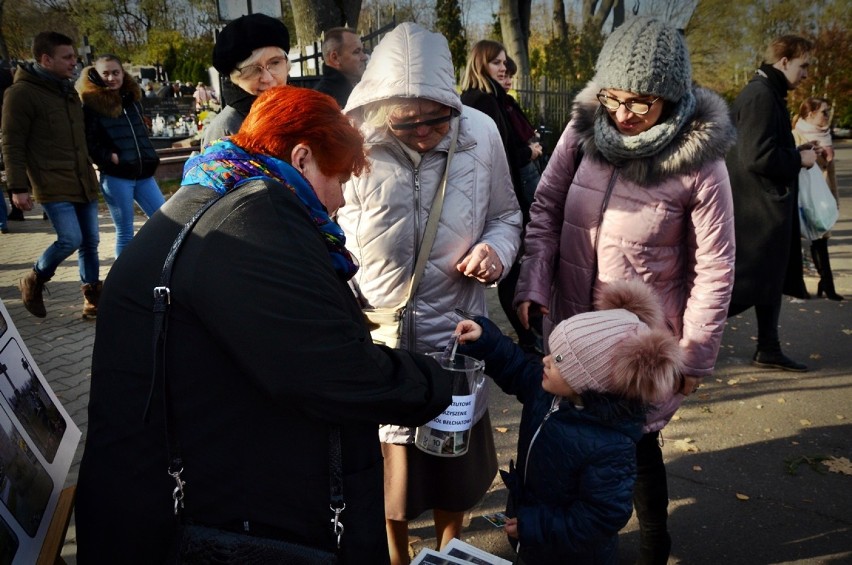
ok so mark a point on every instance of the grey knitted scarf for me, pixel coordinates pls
(618, 148)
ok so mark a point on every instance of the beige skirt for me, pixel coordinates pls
(416, 481)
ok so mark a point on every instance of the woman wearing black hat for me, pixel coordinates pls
(251, 52)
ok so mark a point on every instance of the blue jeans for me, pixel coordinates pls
(76, 227)
(4, 215)
(529, 177)
(119, 195)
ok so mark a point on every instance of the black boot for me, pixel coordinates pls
(651, 500)
(775, 359)
(91, 296)
(819, 252)
(32, 293)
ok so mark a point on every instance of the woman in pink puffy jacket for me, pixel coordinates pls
(637, 188)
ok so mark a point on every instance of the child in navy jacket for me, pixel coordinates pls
(583, 414)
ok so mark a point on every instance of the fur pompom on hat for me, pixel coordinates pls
(245, 34)
(645, 56)
(622, 348)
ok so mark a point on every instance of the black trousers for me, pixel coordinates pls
(767, 323)
(651, 501)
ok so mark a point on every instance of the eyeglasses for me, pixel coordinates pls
(638, 107)
(276, 67)
(428, 123)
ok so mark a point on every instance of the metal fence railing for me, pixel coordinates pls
(547, 104)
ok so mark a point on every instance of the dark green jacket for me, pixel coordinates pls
(44, 140)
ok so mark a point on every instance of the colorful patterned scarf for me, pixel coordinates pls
(223, 166)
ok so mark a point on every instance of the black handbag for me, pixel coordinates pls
(200, 544)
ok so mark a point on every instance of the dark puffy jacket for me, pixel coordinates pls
(114, 124)
(44, 141)
(572, 490)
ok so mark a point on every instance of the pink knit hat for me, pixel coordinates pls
(621, 348)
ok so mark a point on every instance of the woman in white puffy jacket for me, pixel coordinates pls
(409, 110)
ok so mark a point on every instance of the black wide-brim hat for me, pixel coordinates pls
(245, 34)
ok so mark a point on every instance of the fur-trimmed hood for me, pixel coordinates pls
(107, 102)
(706, 137)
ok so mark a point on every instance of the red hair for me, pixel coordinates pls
(285, 116)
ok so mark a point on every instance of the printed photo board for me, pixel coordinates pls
(37, 444)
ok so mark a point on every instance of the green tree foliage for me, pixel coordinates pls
(170, 62)
(448, 22)
(830, 76)
(727, 43)
(571, 57)
(138, 31)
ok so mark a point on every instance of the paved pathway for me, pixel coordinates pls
(740, 435)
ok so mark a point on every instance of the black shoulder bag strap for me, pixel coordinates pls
(162, 302)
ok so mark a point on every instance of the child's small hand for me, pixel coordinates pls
(468, 331)
(511, 528)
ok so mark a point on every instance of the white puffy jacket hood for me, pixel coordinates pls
(410, 62)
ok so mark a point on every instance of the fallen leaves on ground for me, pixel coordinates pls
(686, 444)
(840, 465)
(502, 430)
(741, 496)
(733, 381)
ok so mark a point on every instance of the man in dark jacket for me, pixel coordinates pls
(51, 155)
(344, 61)
(764, 167)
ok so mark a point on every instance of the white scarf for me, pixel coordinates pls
(814, 133)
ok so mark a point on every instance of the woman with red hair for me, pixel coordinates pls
(267, 348)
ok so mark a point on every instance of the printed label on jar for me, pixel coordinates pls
(458, 417)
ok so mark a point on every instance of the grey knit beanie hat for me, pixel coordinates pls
(645, 56)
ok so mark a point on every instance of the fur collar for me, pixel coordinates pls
(108, 102)
(706, 137)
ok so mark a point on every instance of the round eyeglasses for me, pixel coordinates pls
(638, 107)
(276, 66)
